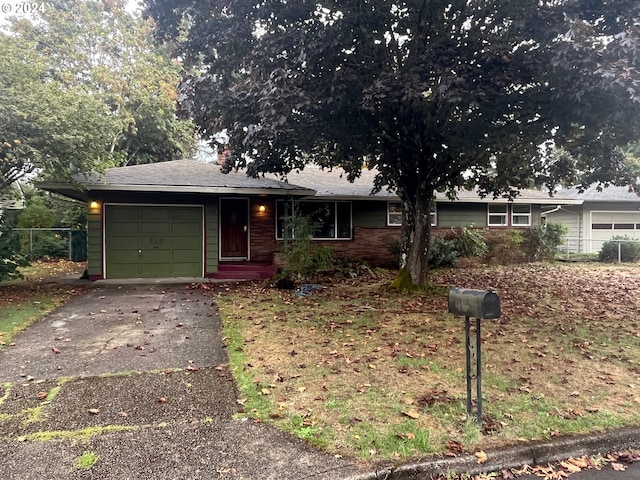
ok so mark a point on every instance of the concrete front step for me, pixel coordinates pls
(244, 271)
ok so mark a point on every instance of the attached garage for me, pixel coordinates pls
(608, 224)
(153, 241)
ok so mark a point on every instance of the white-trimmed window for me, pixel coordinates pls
(394, 214)
(521, 215)
(328, 220)
(498, 215)
(505, 215)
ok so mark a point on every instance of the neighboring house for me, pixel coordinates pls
(11, 202)
(598, 216)
(186, 218)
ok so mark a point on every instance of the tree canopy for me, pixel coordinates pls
(435, 95)
(84, 87)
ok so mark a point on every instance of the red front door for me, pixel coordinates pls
(234, 228)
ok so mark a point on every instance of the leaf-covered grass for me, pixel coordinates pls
(18, 313)
(365, 371)
(26, 300)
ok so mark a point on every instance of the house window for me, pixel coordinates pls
(394, 214)
(521, 215)
(503, 215)
(328, 220)
(498, 215)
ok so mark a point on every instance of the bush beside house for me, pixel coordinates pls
(620, 248)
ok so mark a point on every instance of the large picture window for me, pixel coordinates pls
(394, 214)
(328, 220)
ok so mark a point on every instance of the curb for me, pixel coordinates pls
(534, 453)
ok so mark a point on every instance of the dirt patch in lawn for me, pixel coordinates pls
(362, 370)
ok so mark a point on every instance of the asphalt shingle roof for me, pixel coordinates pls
(609, 194)
(333, 183)
(186, 173)
(192, 175)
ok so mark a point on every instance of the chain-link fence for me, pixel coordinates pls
(53, 243)
(581, 245)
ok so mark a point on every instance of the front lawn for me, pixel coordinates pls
(26, 300)
(364, 371)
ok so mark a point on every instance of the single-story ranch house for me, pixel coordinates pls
(187, 219)
(597, 216)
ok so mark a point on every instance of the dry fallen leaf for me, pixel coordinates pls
(161, 400)
(42, 395)
(618, 467)
(411, 414)
(481, 457)
(578, 462)
(507, 475)
(94, 411)
(55, 350)
(570, 467)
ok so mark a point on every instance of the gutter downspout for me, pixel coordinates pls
(557, 209)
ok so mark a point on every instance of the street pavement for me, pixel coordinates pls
(630, 472)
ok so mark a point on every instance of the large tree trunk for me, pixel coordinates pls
(416, 233)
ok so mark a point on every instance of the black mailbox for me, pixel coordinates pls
(474, 303)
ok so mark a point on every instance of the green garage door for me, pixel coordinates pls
(153, 241)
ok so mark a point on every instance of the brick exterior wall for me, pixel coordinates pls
(262, 236)
(370, 245)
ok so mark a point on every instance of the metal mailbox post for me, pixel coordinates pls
(482, 305)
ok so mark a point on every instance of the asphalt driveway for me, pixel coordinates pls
(136, 376)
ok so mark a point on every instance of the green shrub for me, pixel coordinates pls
(51, 246)
(10, 256)
(470, 243)
(446, 250)
(301, 257)
(629, 250)
(542, 241)
(442, 253)
(505, 247)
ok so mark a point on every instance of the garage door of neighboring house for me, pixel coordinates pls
(153, 241)
(605, 225)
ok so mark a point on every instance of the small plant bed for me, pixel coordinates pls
(362, 370)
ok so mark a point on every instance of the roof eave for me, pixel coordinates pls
(65, 189)
(73, 192)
